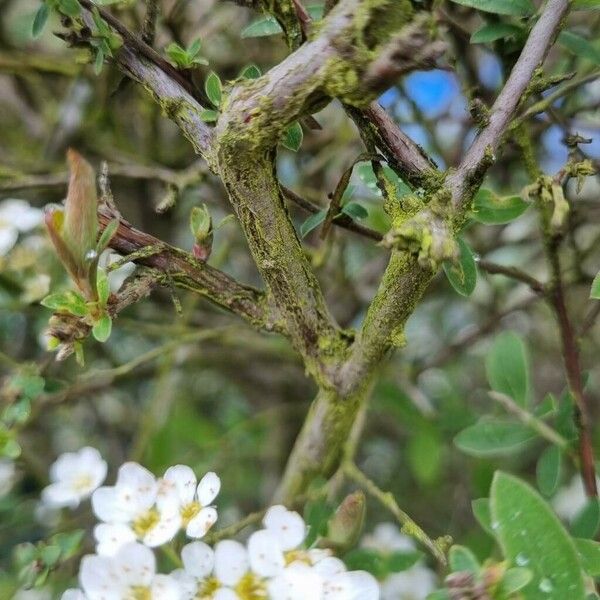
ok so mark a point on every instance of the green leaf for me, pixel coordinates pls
(507, 367)
(99, 62)
(292, 139)
(69, 542)
(261, 28)
(209, 116)
(107, 235)
(316, 515)
(68, 301)
(518, 8)
(462, 559)
(212, 87)
(493, 437)
(587, 522)
(481, 511)
(595, 291)
(50, 555)
(312, 222)
(514, 580)
(589, 553)
(462, 274)
(70, 8)
(355, 210)
(531, 535)
(379, 563)
(586, 5)
(496, 31)
(177, 54)
(102, 286)
(194, 48)
(251, 72)
(548, 470)
(102, 328)
(490, 209)
(40, 19)
(425, 454)
(579, 46)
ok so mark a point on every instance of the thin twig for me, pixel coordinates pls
(513, 273)
(387, 499)
(533, 422)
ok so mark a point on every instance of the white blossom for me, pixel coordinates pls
(7, 476)
(128, 575)
(180, 491)
(74, 476)
(128, 509)
(571, 499)
(222, 574)
(415, 583)
(16, 216)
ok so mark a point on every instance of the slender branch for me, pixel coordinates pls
(481, 153)
(409, 527)
(406, 158)
(183, 270)
(513, 273)
(570, 350)
(533, 422)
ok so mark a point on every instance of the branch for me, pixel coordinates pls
(183, 270)
(481, 154)
(513, 273)
(406, 158)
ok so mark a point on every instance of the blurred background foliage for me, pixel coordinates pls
(198, 386)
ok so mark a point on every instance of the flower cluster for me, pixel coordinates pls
(141, 512)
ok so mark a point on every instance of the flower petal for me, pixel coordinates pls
(265, 554)
(208, 488)
(297, 582)
(329, 566)
(225, 594)
(100, 578)
(165, 587)
(183, 479)
(136, 564)
(352, 585)
(110, 538)
(287, 525)
(57, 495)
(73, 594)
(231, 562)
(198, 559)
(164, 531)
(201, 523)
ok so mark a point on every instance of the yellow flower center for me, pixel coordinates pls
(139, 592)
(189, 511)
(82, 483)
(145, 523)
(207, 589)
(250, 587)
(297, 555)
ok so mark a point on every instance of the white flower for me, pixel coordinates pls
(180, 491)
(388, 538)
(16, 216)
(74, 476)
(222, 574)
(297, 582)
(128, 509)
(73, 594)
(7, 476)
(570, 500)
(130, 574)
(415, 583)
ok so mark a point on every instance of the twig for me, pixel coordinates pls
(387, 499)
(570, 351)
(513, 273)
(533, 422)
